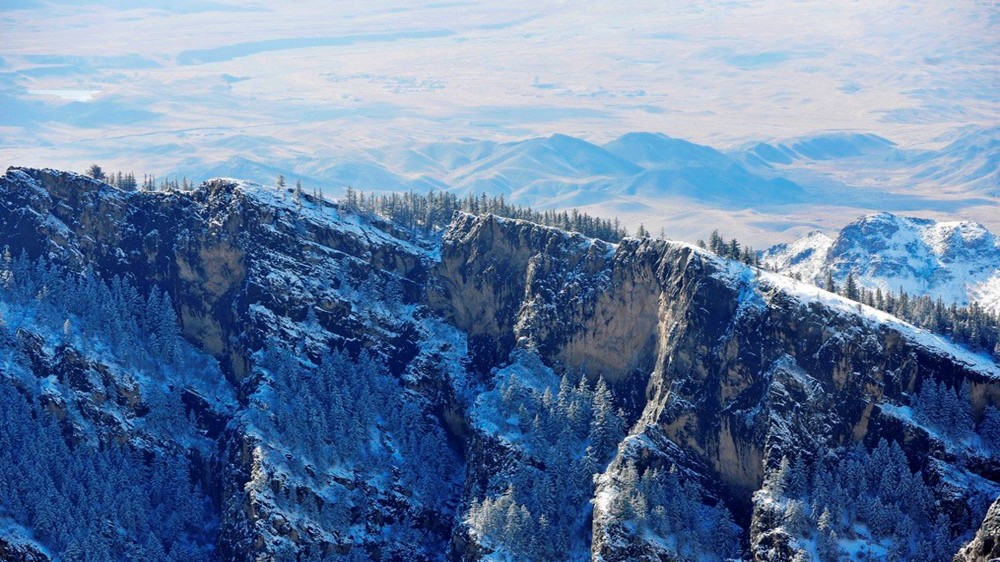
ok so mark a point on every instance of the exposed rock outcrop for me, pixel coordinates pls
(728, 363)
(719, 369)
(986, 544)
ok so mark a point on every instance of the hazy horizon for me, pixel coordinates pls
(304, 87)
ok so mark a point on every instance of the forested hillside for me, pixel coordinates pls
(237, 372)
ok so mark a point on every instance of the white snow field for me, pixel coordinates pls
(821, 110)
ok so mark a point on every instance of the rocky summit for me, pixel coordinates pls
(956, 261)
(236, 372)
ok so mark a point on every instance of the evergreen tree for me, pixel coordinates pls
(828, 283)
(433, 211)
(779, 482)
(989, 429)
(851, 287)
(606, 426)
(716, 244)
(852, 487)
(97, 489)
(827, 544)
(96, 172)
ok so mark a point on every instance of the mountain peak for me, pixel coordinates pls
(656, 150)
(958, 261)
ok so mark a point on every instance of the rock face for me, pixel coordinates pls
(723, 361)
(986, 545)
(244, 266)
(719, 370)
(20, 552)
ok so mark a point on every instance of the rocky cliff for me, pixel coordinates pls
(728, 368)
(721, 374)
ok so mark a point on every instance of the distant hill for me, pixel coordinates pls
(561, 170)
(968, 161)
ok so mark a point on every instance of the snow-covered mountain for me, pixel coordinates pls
(764, 190)
(971, 159)
(562, 169)
(966, 160)
(541, 168)
(824, 146)
(549, 172)
(956, 261)
(677, 168)
(240, 373)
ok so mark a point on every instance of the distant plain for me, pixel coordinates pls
(892, 105)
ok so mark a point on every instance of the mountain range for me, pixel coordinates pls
(235, 372)
(967, 161)
(765, 191)
(561, 170)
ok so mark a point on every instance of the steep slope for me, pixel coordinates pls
(382, 395)
(257, 275)
(986, 545)
(804, 258)
(720, 370)
(958, 261)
